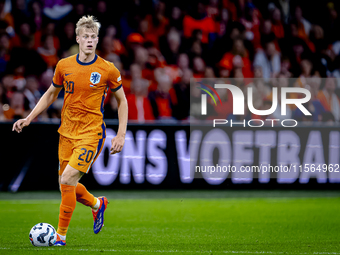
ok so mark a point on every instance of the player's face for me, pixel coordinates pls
(87, 40)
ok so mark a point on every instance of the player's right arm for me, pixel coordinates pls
(45, 101)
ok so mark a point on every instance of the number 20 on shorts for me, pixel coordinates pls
(88, 153)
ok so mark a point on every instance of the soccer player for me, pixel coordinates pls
(86, 78)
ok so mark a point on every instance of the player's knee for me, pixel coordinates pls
(68, 180)
(70, 176)
(65, 180)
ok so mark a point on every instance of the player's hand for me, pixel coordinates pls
(117, 144)
(20, 124)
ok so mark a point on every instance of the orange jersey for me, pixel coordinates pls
(85, 87)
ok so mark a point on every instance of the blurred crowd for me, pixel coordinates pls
(158, 46)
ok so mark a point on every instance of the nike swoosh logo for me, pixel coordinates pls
(67, 74)
(81, 164)
(67, 212)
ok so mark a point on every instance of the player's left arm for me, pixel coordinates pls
(119, 140)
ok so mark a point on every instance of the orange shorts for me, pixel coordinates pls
(78, 153)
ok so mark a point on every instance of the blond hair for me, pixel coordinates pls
(88, 22)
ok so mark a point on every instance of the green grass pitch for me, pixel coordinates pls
(182, 222)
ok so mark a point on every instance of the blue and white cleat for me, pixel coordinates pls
(59, 242)
(98, 216)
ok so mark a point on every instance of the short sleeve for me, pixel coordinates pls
(57, 77)
(114, 79)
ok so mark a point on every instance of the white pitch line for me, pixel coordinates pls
(173, 251)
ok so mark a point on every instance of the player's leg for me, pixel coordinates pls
(98, 214)
(67, 175)
(83, 196)
(85, 154)
(68, 182)
(86, 198)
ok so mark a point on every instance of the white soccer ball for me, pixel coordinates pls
(43, 234)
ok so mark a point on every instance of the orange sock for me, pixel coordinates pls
(67, 206)
(85, 197)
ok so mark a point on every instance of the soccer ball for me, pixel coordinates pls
(43, 234)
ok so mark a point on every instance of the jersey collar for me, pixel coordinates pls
(86, 64)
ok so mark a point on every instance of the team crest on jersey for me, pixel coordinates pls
(95, 77)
